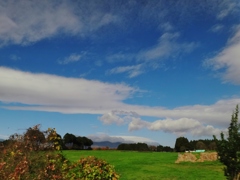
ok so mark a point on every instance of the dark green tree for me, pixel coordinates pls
(87, 142)
(167, 149)
(200, 145)
(160, 148)
(181, 144)
(229, 149)
(134, 147)
(69, 138)
(79, 142)
(212, 146)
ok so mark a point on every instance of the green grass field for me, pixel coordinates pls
(153, 165)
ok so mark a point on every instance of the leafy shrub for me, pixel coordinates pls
(31, 158)
(23, 157)
(92, 168)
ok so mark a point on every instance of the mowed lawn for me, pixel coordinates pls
(153, 165)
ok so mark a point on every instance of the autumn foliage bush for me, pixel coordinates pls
(91, 168)
(26, 157)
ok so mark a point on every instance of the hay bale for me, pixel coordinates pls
(189, 157)
(208, 157)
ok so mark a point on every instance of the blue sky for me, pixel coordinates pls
(139, 71)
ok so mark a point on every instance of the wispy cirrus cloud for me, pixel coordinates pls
(217, 28)
(226, 62)
(132, 71)
(227, 7)
(167, 45)
(14, 57)
(119, 57)
(21, 26)
(72, 58)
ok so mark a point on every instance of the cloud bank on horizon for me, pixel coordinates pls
(148, 66)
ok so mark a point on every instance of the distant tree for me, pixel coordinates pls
(167, 149)
(160, 148)
(229, 149)
(79, 142)
(87, 142)
(200, 145)
(142, 147)
(133, 147)
(69, 138)
(152, 148)
(212, 146)
(181, 144)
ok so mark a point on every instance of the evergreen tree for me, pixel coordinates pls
(229, 149)
(182, 144)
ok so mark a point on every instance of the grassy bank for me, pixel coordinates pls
(153, 165)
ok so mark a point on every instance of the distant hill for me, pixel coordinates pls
(2, 140)
(106, 144)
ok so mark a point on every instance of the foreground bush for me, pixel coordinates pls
(36, 156)
(92, 168)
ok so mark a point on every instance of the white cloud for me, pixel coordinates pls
(227, 60)
(110, 118)
(179, 127)
(55, 93)
(137, 124)
(24, 22)
(43, 92)
(118, 117)
(132, 71)
(72, 58)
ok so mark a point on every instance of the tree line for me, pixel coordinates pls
(183, 144)
(37, 137)
(143, 147)
(76, 142)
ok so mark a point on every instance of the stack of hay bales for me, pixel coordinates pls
(186, 157)
(207, 157)
(189, 157)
